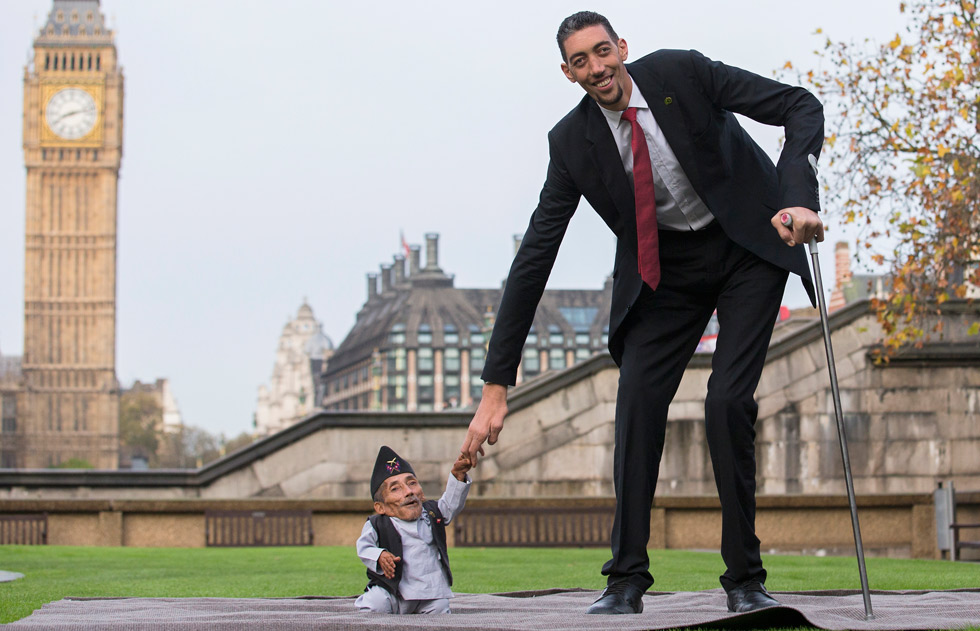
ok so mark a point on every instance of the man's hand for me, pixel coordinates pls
(460, 467)
(487, 422)
(387, 562)
(806, 225)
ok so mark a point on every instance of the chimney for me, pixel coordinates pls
(842, 276)
(432, 252)
(518, 238)
(372, 286)
(399, 270)
(414, 259)
(385, 279)
(842, 264)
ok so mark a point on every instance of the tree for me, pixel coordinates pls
(238, 442)
(140, 421)
(188, 448)
(903, 124)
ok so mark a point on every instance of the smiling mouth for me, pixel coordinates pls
(604, 82)
(411, 502)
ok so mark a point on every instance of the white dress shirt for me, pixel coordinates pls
(678, 205)
(422, 574)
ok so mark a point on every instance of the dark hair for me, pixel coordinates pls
(578, 21)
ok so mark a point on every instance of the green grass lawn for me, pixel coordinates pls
(54, 572)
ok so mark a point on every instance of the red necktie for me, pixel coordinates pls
(648, 242)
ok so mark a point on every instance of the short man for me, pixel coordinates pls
(403, 544)
(655, 148)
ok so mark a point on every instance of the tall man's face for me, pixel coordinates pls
(595, 62)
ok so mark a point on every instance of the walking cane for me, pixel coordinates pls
(787, 221)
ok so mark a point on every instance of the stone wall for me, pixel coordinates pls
(910, 423)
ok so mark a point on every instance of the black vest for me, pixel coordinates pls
(390, 540)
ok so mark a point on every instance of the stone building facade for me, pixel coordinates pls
(419, 342)
(11, 388)
(73, 115)
(301, 356)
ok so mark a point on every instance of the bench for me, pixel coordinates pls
(245, 528)
(948, 530)
(538, 527)
(28, 529)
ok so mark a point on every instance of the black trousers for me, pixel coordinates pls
(700, 272)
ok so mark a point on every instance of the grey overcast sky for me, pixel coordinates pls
(274, 150)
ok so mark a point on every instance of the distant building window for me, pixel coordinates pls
(8, 460)
(532, 339)
(556, 359)
(451, 360)
(451, 390)
(605, 336)
(476, 359)
(397, 334)
(396, 389)
(450, 335)
(476, 339)
(581, 339)
(532, 361)
(476, 388)
(425, 334)
(397, 360)
(582, 353)
(425, 363)
(426, 391)
(580, 318)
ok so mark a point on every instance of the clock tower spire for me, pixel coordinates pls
(73, 114)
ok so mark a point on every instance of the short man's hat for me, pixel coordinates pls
(387, 465)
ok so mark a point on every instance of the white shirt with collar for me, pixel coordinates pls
(678, 205)
(422, 574)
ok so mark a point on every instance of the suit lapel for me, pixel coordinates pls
(666, 111)
(606, 161)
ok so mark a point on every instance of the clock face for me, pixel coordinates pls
(71, 113)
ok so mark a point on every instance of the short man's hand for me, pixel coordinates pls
(460, 467)
(487, 422)
(387, 563)
(806, 225)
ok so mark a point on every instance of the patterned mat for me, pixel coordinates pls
(549, 610)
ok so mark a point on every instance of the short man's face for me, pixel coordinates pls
(595, 62)
(403, 497)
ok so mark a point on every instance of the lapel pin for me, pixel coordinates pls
(668, 101)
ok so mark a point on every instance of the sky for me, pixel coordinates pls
(274, 152)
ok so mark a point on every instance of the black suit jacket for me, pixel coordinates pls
(692, 99)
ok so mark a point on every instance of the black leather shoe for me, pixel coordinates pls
(749, 597)
(621, 597)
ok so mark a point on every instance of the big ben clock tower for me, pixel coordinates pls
(73, 115)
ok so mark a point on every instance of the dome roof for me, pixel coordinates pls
(319, 346)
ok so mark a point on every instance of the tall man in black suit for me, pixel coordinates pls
(715, 242)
